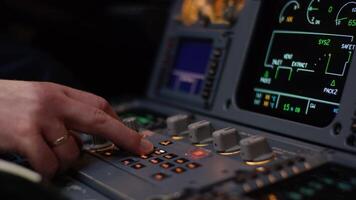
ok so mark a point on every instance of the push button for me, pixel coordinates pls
(145, 157)
(166, 165)
(181, 160)
(156, 161)
(193, 165)
(138, 166)
(170, 156)
(128, 161)
(159, 152)
(198, 153)
(178, 170)
(166, 143)
(159, 176)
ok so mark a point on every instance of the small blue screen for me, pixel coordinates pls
(191, 63)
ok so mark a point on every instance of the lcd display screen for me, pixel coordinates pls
(299, 59)
(190, 65)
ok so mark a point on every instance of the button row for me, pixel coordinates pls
(226, 140)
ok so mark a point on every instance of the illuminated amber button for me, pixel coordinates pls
(159, 176)
(170, 156)
(198, 153)
(159, 152)
(128, 161)
(155, 161)
(166, 165)
(145, 157)
(138, 166)
(193, 165)
(181, 160)
(166, 143)
(178, 170)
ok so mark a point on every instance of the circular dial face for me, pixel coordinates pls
(287, 13)
(313, 12)
(346, 16)
(210, 11)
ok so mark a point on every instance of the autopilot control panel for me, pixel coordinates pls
(248, 99)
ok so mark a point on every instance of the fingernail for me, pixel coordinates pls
(146, 146)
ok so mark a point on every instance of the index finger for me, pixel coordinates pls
(85, 118)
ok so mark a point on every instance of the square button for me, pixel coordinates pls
(166, 143)
(145, 157)
(178, 170)
(159, 176)
(159, 152)
(170, 156)
(138, 166)
(193, 165)
(181, 160)
(155, 160)
(128, 161)
(166, 165)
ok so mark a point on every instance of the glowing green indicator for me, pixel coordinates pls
(331, 8)
(351, 23)
(333, 83)
(266, 74)
(324, 42)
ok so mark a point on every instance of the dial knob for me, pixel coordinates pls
(96, 143)
(200, 132)
(178, 124)
(255, 149)
(131, 123)
(226, 140)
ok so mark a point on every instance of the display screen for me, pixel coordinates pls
(191, 63)
(299, 60)
(328, 182)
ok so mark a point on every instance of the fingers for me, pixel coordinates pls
(39, 155)
(66, 153)
(90, 99)
(81, 117)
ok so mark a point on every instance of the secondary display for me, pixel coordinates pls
(299, 60)
(190, 65)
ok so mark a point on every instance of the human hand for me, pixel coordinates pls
(33, 115)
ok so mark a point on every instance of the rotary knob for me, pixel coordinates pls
(255, 149)
(131, 122)
(178, 124)
(226, 140)
(96, 143)
(200, 132)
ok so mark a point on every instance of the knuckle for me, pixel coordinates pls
(99, 117)
(103, 104)
(47, 93)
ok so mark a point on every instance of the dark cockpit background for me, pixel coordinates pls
(93, 45)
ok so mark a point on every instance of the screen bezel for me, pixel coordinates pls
(228, 108)
(197, 100)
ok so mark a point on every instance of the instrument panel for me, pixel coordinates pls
(299, 62)
(248, 99)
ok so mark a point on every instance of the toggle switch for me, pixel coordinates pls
(255, 149)
(226, 140)
(200, 132)
(178, 124)
(131, 123)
